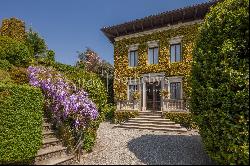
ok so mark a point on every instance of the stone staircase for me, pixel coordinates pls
(152, 121)
(52, 151)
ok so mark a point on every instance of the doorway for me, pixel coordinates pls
(153, 97)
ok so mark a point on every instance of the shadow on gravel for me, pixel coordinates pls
(169, 150)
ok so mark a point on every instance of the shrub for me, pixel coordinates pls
(5, 65)
(21, 111)
(15, 52)
(109, 111)
(183, 118)
(122, 116)
(13, 28)
(220, 82)
(91, 83)
(19, 75)
(4, 77)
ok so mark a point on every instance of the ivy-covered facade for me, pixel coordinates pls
(152, 59)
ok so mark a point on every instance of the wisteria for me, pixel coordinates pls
(61, 96)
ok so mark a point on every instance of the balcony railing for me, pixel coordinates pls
(128, 105)
(174, 105)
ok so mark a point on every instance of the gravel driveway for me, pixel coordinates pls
(117, 146)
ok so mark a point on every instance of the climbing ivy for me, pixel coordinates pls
(183, 68)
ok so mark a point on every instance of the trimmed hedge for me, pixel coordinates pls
(5, 77)
(122, 116)
(220, 82)
(17, 53)
(21, 112)
(5, 65)
(183, 118)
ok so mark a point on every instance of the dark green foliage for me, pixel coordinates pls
(36, 43)
(15, 52)
(182, 118)
(121, 116)
(109, 111)
(51, 56)
(220, 82)
(21, 111)
(4, 64)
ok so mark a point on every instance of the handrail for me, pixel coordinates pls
(78, 147)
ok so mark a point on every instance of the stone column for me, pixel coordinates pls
(144, 95)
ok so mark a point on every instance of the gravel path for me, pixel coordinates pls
(117, 146)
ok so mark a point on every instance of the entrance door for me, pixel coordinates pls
(153, 96)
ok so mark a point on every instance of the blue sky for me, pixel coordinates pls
(69, 26)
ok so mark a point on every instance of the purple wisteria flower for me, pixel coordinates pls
(65, 101)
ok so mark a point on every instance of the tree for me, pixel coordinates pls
(220, 82)
(13, 28)
(36, 43)
(92, 62)
(90, 59)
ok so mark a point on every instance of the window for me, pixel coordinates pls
(153, 55)
(132, 89)
(175, 90)
(175, 52)
(133, 58)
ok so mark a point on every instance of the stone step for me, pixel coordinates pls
(153, 125)
(56, 160)
(47, 142)
(164, 124)
(153, 122)
(149, 116)
(48, 134)
(49, 152)
(153, 128)
(47, 126)
(150, 113)
(150, 119)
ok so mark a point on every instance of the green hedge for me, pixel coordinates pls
(5, 77)
(182, 118)
(21, 111)
(15, 52)
(5, 65)
(124, 115)
(220, 82)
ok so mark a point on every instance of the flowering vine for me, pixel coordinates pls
(62, 97)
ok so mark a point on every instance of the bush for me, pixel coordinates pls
(13, 28)
(182, 118)
(122, 116)
(15, 52)
(5, 77)
(19, 75)
(5, 65)
(220, 82)
(21, 111)
(109, 111)
(91, 83)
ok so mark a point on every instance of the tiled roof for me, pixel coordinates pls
(186, 14)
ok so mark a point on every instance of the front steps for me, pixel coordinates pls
(152, 121)
(52, 151)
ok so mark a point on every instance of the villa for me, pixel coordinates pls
(152, 59)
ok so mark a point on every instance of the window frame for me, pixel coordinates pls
(175, 44)
(180, 90)
(135, 88)
(153, 48)
(135, 62)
